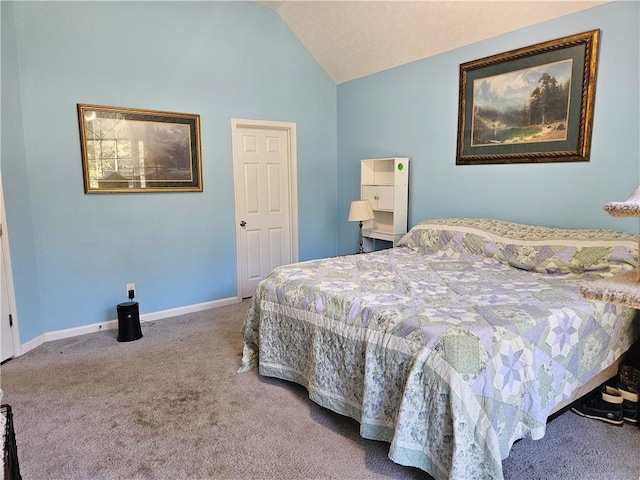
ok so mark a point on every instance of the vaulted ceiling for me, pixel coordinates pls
(352, 39)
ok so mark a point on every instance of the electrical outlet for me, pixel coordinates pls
(130, 286)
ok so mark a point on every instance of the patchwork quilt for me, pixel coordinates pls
(451, 346)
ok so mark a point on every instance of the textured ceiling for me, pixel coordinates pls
(352, 39)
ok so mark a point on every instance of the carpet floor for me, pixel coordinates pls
(171, 406)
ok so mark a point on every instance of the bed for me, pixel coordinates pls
(455, 344)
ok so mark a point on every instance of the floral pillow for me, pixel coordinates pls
(534, 248)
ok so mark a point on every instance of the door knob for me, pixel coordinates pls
(243, 223)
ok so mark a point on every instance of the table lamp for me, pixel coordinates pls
(360, 211)
(623, 288)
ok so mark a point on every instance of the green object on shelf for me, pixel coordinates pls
(400, 166)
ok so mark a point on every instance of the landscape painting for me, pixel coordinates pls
(533, 104)
(529, 105)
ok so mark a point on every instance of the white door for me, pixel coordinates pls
(265, 196)
(7, 348)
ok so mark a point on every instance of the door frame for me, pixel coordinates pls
(6, 257)
(290, 128)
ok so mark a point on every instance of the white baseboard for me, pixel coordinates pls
(198, 307)
(113, 324)
(30, 345)
(82, 330)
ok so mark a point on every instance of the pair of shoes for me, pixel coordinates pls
(630, 400)
(630, 376)
(599, 404)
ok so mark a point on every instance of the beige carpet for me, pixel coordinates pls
(171, 406)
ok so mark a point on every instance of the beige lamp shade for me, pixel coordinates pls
(623, 288)
(360, 211)
(629, 208)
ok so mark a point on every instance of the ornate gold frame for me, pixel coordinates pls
(578, 53)
(129, 150)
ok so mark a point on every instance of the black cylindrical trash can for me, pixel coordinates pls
(128, 322)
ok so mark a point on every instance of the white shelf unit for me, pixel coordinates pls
(384, 182)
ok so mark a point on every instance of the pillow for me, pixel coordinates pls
(528, 247)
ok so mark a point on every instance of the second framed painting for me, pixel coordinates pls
(128, 150)
(533, 104)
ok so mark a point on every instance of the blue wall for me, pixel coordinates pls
(73, 253)
(412, 111)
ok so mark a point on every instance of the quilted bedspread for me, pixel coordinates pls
(451, 346)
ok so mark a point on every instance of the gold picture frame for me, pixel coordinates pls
(533, 104)
(129, 150)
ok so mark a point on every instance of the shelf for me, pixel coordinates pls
(388, 236)
(379, 171)
(384, 183)
(383, 222)
(378, 231)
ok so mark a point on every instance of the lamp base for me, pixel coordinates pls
(361, 249)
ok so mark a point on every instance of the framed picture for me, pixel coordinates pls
(127, 150)
(533, 104)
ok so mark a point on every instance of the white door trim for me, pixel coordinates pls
(290, 127)
(4, 244)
